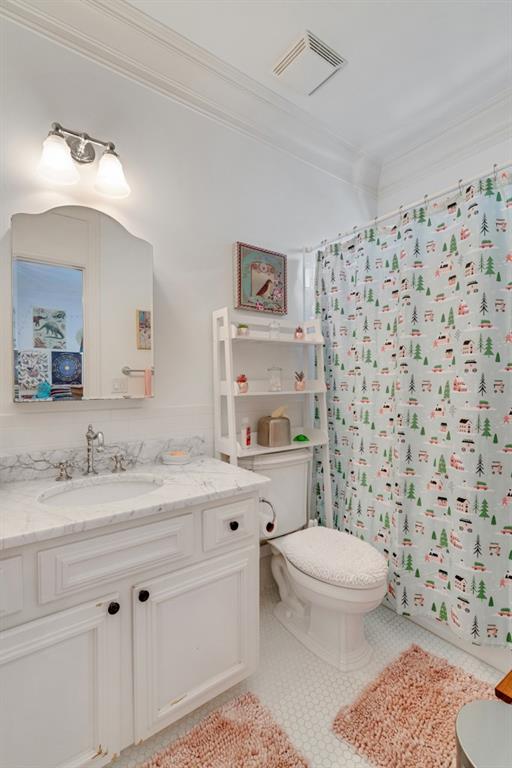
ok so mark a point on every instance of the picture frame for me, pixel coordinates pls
(260, 280)
(143, 329)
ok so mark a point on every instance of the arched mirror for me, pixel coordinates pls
(82, 307)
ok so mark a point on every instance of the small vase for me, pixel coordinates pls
(243, 387)
(242, 331)
(300, 386)
(299, 335)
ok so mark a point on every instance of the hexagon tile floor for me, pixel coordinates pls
(304, 693)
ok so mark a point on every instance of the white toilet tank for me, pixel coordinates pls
(289, 490)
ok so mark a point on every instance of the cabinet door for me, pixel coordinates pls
(59, 683)
(195, 635)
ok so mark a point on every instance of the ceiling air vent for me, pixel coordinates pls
(308, 64)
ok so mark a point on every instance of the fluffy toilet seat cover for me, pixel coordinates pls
(334, 557)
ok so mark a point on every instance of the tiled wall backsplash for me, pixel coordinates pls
(40, 464)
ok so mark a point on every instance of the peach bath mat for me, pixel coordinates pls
(406, 717)
(241, 734)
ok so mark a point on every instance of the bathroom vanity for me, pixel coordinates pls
(126, 601)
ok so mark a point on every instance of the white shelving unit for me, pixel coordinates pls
(226, 346)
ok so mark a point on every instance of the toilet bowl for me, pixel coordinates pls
(328, 580)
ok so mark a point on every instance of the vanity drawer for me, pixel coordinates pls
(11, 585)
(228, 524)
(72, 567)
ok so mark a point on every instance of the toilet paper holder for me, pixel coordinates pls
(269, 527)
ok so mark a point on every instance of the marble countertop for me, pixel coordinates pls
(24, 519)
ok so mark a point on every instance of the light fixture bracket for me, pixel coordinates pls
(81, 150)
(81, 145)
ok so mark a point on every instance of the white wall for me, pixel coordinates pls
(461, 151)
(196, 188)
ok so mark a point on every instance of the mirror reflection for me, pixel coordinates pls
(82, 308)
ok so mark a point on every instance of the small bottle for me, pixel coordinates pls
(245, 433)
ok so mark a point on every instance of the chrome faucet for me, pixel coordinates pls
(91, 436)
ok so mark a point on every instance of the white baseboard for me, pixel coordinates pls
(497, 657)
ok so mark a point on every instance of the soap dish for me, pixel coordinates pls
(175, 456)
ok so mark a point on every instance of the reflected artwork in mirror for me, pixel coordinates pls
(48, 324)
(73, 329)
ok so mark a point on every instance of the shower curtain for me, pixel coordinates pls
(417, 318)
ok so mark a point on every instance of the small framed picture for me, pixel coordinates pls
(260, 279)
(143, 328)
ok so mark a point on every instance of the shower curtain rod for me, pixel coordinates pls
(423, 201)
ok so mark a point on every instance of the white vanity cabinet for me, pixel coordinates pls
(195, 634)
(59, 683)
(117, 632)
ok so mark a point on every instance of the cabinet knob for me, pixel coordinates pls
(113, 608)
(233, 525)
(143, 595)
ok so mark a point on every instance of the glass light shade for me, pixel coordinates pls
(56, 164)
(110, 179)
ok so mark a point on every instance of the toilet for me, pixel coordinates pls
(327, 580)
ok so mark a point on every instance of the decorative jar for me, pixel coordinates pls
(275, 383)
(273, 330)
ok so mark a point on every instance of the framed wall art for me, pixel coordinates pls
(143, 328)
(49, 328)
(260, 279)
(66, 368)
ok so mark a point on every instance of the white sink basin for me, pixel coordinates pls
(99, 490)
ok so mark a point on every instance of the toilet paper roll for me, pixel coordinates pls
(267, 520)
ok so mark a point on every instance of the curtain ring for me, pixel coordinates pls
(400, 215)
(460, 187)
(495, 171)
(425, 203)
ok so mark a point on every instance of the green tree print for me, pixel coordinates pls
(486, 431)
(414, 413)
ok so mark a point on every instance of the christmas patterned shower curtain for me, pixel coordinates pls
(417, 318)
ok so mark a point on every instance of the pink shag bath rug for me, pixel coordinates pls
(241, 734)
(406, 717)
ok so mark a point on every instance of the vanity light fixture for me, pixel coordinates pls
(56, 164)
(63, 145)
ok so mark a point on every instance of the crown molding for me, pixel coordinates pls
(118, 36)
(474, 132)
